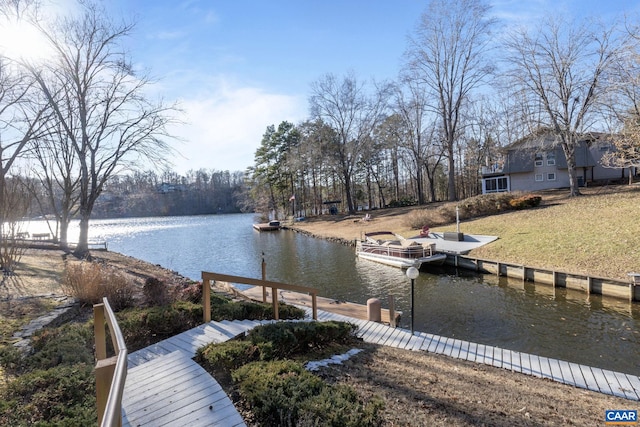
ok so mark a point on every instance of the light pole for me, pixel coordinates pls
(412, 273)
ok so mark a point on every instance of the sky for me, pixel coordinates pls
(235, 67)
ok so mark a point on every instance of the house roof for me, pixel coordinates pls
(520, 156)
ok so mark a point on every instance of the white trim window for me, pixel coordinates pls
(539, 177)
(499, 184)
(551, 176)
(551, 158)
(539, 159)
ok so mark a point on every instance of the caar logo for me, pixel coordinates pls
(620, 417)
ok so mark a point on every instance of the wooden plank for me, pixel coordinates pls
(601, 380)
(625, 386)
(545, 368)
(567, 376)
(507, 359)
(387, 334)
(613, 383)
(464, 350)
(497, 357)
(488, 355)
(373, 333)
(414, 343)
(536, 370)
(578, 377)
(589, 379)
(471, 351)
(397, 337)
(635, 383)
(556, 370)
(427, 340)
(433, 345)
(480, 352)
(525, 363)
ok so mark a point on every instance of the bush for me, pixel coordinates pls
(68, 345)
(156, 292)
(289, 339)
(485, 204)
(89, 282)
(339, 405)
(284, 393)
(222, 359)
(525, 202)
(63, 395)
(253, 311)
(142, 327)
(275, 390)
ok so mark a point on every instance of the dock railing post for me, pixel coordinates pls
(264, 277)
(206, 298)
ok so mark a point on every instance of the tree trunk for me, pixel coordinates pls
(82, 249)
(452, 174)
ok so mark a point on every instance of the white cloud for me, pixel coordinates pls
(225, 124)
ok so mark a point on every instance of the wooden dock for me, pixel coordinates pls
(349, 309)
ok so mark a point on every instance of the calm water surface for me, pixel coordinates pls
(563, 324)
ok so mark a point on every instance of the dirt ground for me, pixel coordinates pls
(418, 388)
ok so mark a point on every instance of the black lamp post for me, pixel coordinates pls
(412, 273)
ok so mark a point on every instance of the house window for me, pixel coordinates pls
(551, 177)
(551, 158)
(605, 147)
(495, 185)
(539, 177)
(538, 159)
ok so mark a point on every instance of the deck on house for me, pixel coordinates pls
(165, 386)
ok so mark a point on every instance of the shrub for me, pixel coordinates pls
(223, 358)
(526, 201)
(293, 338)
(89, 282)
(63, 395)
(142, 327)
(69, 344)
(284, 393)
(275, 390)
(251, 310)
(339, 405)
(156, 292)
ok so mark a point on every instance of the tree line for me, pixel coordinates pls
(76, 127)
(467, 87)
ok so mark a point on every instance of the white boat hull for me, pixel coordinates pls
(435, 259)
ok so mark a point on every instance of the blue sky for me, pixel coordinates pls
(237, 66)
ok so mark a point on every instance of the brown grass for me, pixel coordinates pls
(89, 282)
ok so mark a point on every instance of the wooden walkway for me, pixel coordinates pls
(164, 386)
(586, 377)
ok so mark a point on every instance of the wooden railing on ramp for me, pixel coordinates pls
(111, 372)
(207, 277)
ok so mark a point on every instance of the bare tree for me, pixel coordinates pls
(353, 114)
(100, 104)
(447, 54)
(561, 70)
(57, 175)
(625, 152)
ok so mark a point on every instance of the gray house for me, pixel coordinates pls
(537, 162)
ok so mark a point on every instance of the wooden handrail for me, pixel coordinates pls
(111, 372)
(207, 277)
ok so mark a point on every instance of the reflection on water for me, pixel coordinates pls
(508, 313)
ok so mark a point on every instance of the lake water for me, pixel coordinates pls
(563, 324)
